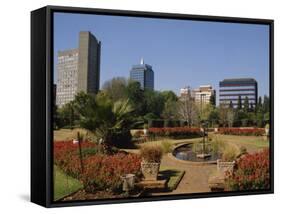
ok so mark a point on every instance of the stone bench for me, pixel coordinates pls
(217, 181)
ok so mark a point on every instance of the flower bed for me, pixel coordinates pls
(176, 132)
(66, 156)
(242, 131)
(101, 172)
(251, 172)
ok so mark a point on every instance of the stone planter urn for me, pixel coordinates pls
(128, 182)
(224, 166)
(150, 170)
(145, 132)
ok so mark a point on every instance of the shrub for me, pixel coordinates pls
(168, 123)
(166, 146)
(251, 172)
(183, 123)
(88, 151)
(156, 123)
(152, 153)
(243, 150)
(176, 132)
(242, 131)
(66, 156)
(121, 139)
(103, 172)
(229, 154)
(176, 123)
(217, 145)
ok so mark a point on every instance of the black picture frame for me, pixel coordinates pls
(42, 93)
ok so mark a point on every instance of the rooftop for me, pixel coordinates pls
(239, 80)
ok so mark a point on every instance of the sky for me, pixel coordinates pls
(181, 52)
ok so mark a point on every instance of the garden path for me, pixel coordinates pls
(195, 178)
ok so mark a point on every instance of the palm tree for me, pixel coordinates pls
(104, 118)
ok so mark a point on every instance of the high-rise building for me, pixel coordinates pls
(231, 90)
(67, 81)
(201, 95)
(185, 93)
(78, 69)
(143, 74)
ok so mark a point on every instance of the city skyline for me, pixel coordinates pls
(187, 56)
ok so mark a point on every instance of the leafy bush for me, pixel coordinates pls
(177, 132)
(229, 154)
(243, 150)
(66, 156)
(242, 131)
(251, 172)
(91, 151)
(103, 172)
(168, 123)
(183, 123)
(121, 139)
(151, 154)
(166, 146)
(217, 145)
(156, 123)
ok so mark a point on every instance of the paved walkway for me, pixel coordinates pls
(195, 179)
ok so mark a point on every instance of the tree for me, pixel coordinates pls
(259, 104)
(170, 109)
(116, 88)
(241, 118)
(266, 104)
(169, 95)
(230, 104)
(214, 117)
(187, 109)
(246, 104)
(230, 117)
(205, 112)
(136, 97)
(252, 109)
(239, 103)
(153, 102)
(223, 110)
(110, 122)
(213, 100)
(66, 115)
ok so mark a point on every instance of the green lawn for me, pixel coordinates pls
(252, 143)
(64, 185)
(67, 134)
(174, 176)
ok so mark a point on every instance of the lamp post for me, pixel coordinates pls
(204, 125)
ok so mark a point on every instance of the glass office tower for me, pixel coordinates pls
(231, 90)
(143, 74)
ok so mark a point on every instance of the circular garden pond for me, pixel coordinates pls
(186, 152)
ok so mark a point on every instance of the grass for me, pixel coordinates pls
(64, 185)
(252, 143)
(67, 134)
(174, 176)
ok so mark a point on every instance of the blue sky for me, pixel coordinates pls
(182, 53)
